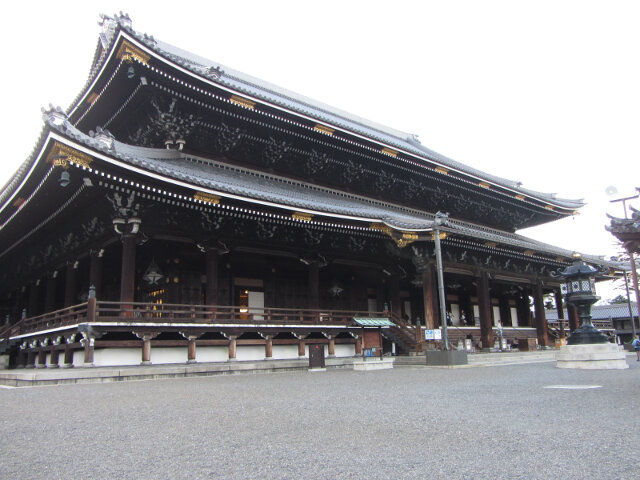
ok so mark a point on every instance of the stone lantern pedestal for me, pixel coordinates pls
(594, 356)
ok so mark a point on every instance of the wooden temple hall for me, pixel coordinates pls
(181, 211)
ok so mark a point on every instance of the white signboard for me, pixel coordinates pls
(433, 334)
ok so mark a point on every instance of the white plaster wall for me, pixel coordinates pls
(103, 357)
(78, 358)
(345, 350)
(246, 352)
(212, 354)
(162, 355)
(285, 351)
(514, 316)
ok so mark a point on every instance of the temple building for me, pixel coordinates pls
(181, 211)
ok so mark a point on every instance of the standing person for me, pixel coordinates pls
(636, 347)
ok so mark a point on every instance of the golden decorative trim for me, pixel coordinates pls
(243, 102)
(207, 198)
(19, 202)
(575, 212)
(442, 170)
(406, 239)
(529, 252)
(560, 259)
(520, 197)
(92, 98)
(324, 129)
(443, 235)
(61, 154)
(484, 185)
(381, 227)
(491, 244)
(389, 151)
(549, 207)
(129, 52)
(303, 217)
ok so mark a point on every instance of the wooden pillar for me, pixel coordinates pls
(466, 307)
(268, 347)
(68, 352)
(232, 347)
(541, 319)
(50, 292)
(574, 320)
(314, 286)
(332, 346)
(54, 354)
(146, 338)
(22, 358)
(95, 270)
(484, 305)
(31, 357)
(302, 347)
(358, 345)
(211, 291)
(429, 295)
(70, 284)
(42, 355)
(88, 342)
(191, 346)
(128, 271)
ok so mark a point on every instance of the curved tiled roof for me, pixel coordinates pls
(266, 92)
(273, 190)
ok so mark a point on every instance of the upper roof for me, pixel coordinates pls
(261, 91)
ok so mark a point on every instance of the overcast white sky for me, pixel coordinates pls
(545, 92)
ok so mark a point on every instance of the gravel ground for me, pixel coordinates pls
(410, 422)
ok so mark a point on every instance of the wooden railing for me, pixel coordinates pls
(134, 312)
(59, 318)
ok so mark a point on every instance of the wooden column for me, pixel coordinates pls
(88, 342)
(211, 291)
(50, 292)
(466, 307)
(332, 346)
(540, 319)
(42, 355)
(68, 352)
(484, 305)
(314, 286)
(232, 347)
(560, 309)
(429, 295)
(191, 346)
(268, 347)
(22, 358)
(70, 284)
(358, 345)
(95, 270)
(146, 338)
(31, 357)
(128, 271)
(302, 347)
(54, 358)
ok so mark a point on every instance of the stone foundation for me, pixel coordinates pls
(604, 356)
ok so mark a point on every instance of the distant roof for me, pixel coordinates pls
(602, 312)
(269, 93)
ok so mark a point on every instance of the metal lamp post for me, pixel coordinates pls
(579, 290)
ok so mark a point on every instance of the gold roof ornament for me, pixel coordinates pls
(61, 154)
